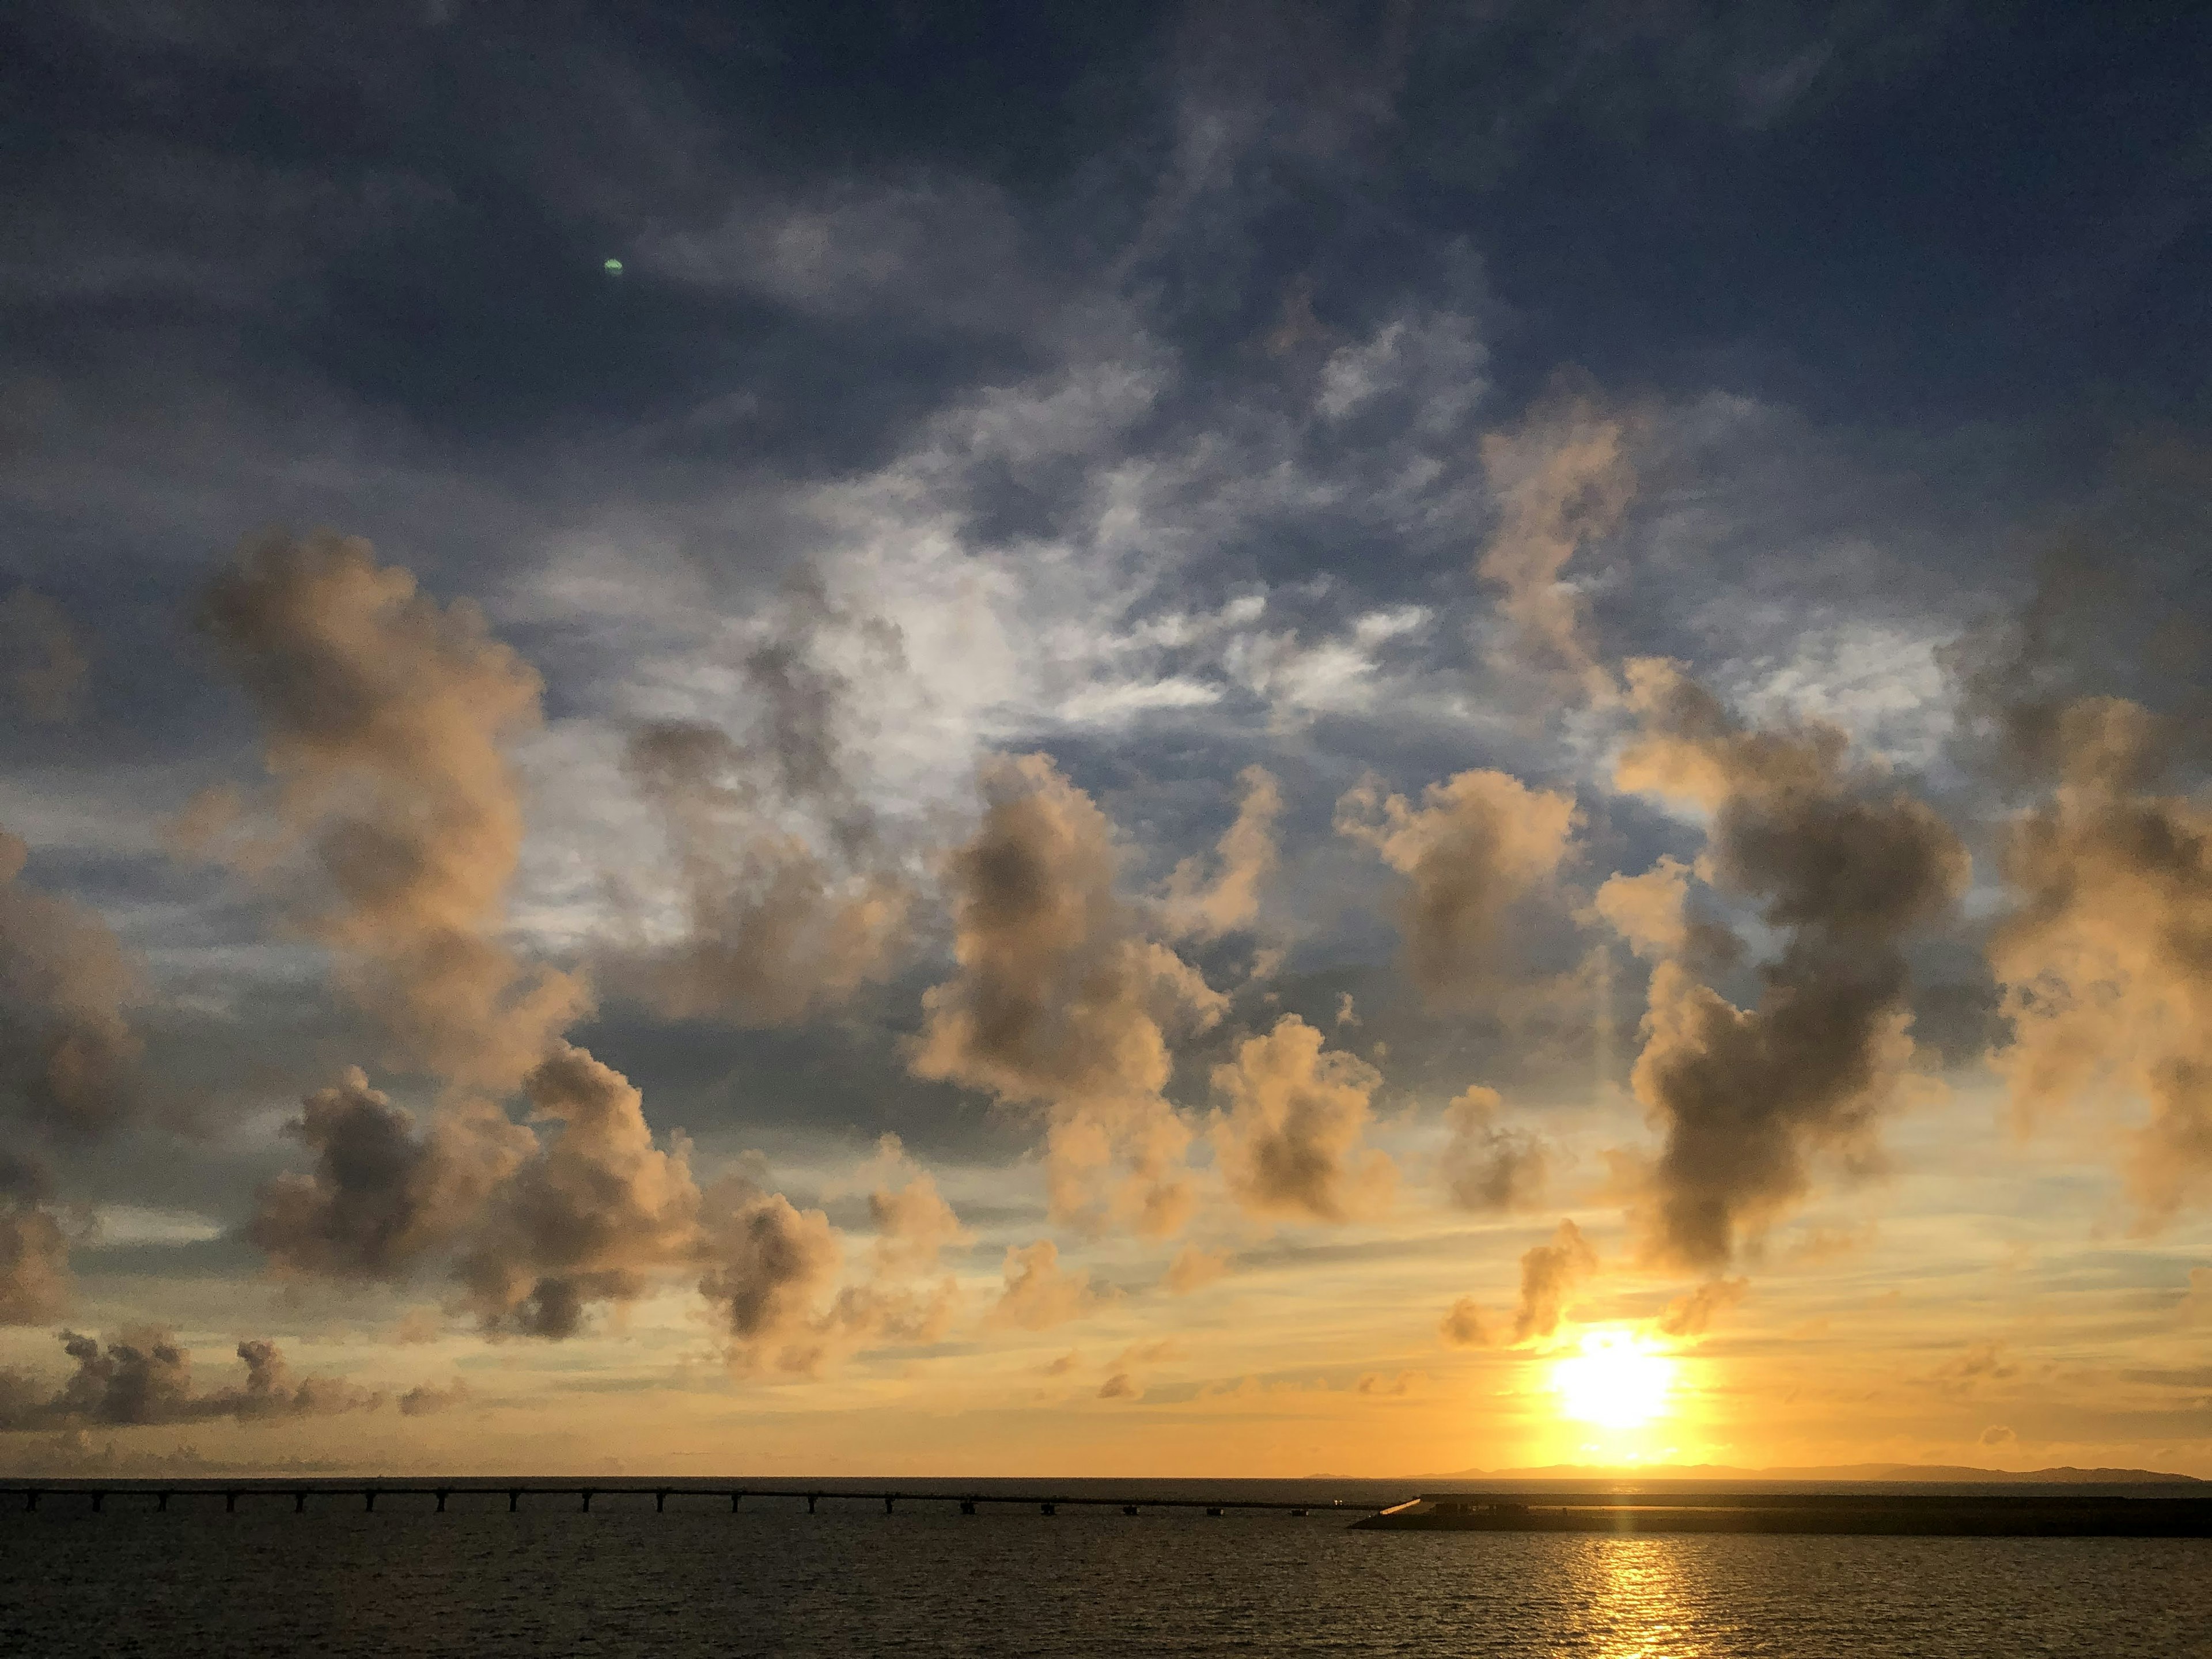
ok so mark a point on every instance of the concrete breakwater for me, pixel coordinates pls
(1900, 1514)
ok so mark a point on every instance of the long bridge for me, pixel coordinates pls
(96, 1494)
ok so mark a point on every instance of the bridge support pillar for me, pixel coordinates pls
(442, 1500)
(661, 1501)
(230, 1502)
(734, 1501)
(513, 1499)
(31, 1498)
(368, 1498)
(299, 1503)
(888, 1501)
(98, 1498)
(161, 1500)
(811, 1497)
(588, 1497)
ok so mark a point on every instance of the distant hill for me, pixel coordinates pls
(2066, 1476)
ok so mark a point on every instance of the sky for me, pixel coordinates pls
(1208, 739)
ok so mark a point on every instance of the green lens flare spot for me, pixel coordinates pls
(613, 267)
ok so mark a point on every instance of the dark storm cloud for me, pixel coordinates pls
(1845, 864)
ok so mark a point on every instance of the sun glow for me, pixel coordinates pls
(1617, 1381)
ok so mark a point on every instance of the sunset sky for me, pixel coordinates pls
(1227, 738)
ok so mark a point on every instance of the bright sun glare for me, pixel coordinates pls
(1617, 1381)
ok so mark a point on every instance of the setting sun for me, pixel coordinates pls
(1617, 1381)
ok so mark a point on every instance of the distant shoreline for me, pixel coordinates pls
(2064, 1475)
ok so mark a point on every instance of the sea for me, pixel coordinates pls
(850, 1580)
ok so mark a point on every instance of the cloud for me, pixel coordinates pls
(1550, 1275)
(2101, 957)
(792, 900)
(1649, 911)
(1374, 1383)
(1194, 1269)
(34, 1277)
(1480, 842)
(69, 1057)
(381, 1198)
(1487, 1167)
(1846, 865)
(591, 1216)
(385, 719)
(1289, 1145)
(42, 656)
(771, 1263)
(771, 1270)
(1997, 1435)
(913, 1223)
(427, 1399)
(1244, 857)
(1464, 1327)
(144, 1377)
(1040, 1293)
(1061, 1001)
(1121, 1386)
(1562, 480)
(1693, 1315)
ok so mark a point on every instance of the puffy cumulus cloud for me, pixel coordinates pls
(385, 718)
(790, 903)
(772, 1267)
(1040, 1293)
(1463, 1326)
(382, 1197)
(42, 656)
(1243, 857)
(1289, 1143)
(2105, 957)
(1846, 865)
(591, 1216)
(1486, 1166)
(1194, 1269)
(1693, 1315)
(145, 1377)
(1562, 479)
(772, 1261)
(1478, 844)
(69, 1057)
(913, 1225)
(1060, 999)
(1650, 912)
(1550, 1275)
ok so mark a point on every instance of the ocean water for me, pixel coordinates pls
(773, 1580)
